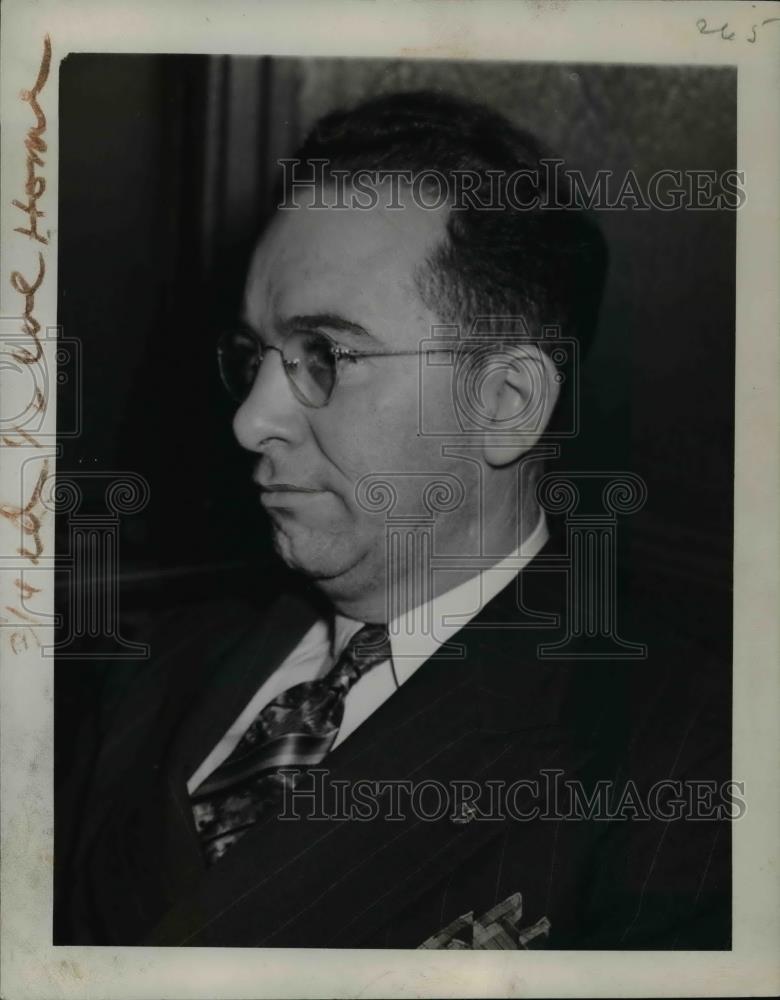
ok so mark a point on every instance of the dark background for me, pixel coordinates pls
(166, 176)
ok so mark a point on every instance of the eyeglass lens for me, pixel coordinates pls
(308, 358)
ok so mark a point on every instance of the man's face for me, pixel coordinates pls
(355, 266)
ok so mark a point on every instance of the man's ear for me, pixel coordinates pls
(519, 396)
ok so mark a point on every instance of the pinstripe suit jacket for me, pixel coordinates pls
(129, 868)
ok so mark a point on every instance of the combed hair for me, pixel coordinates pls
(544, 264)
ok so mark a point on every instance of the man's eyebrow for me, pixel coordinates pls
(323, 321)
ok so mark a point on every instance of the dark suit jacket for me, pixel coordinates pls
(129, 869)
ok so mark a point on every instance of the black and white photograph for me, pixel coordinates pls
(382, 463)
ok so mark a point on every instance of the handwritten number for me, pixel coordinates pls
(701, 24)
(728, 36)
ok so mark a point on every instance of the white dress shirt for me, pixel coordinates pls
(414, 638)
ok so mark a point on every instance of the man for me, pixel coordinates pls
(278, 782)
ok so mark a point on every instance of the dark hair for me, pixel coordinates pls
(546, 264)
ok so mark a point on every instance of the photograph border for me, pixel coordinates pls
(685, 33)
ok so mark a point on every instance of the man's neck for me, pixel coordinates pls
(416, 577)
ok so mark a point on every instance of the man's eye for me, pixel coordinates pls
(249, 344)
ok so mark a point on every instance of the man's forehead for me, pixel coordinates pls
(326, 254)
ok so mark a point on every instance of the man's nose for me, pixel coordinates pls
(270, 412)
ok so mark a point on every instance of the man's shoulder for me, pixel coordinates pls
(186, 644)
(658, 689)
(210, 625)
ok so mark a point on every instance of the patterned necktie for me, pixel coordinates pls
(296, 729)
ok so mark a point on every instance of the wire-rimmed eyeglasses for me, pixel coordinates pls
(311, 361)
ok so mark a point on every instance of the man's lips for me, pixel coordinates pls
(286, 495)
(285, 488)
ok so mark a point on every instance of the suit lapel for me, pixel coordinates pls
(333, 881)
(292, 882)
(176, 713)
(233, 680)
(255, 653)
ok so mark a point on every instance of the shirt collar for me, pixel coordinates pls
(417, 634)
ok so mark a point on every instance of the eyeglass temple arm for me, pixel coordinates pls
(347, 352)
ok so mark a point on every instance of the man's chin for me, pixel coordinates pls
(337, 566)
(321, 556)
